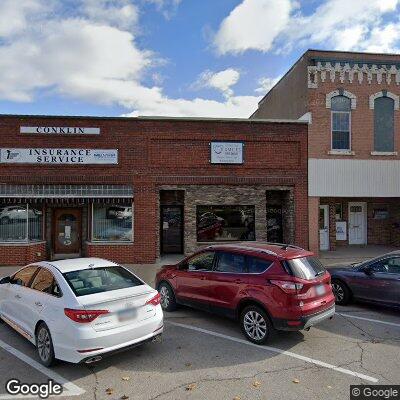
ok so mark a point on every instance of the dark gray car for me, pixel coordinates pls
(376, 280)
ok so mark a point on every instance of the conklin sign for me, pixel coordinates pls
(59, 130)
(58, 156)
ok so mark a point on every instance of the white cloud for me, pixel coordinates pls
(221, 81)
(253, 24)
(265, 84)
(167, 7)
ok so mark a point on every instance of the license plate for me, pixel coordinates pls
(127, 315)
(320, 290)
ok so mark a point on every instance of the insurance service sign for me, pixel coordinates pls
(58, 156)
(226, 152)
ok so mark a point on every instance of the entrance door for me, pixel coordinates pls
(324, 227)
(67, 231)
(357, 223)
(274, 224)
(171, 229)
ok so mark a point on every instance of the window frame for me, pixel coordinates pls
(341, 112)
(393, 120)
(93, 240)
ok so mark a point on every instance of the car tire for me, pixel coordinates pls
(168, 302)
(44, 345)
(341, 291)
(256, 325)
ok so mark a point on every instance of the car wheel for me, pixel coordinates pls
(341, 292)
(44, 345)
(255, 324)
(168, 302)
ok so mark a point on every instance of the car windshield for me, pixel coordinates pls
(306, 267)
(103, 279)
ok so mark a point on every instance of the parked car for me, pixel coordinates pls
(120, 212)
(376, 281)
(209, 226)
(17, 214)
(263, 285)
(79, 310)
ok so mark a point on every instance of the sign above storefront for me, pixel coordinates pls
(58, 156)
(59, 130)
(226, 152)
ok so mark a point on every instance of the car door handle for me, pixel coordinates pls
(203, 278)
(238, 281)
(38, 303)
(17, 296)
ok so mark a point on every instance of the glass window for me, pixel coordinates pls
(257, 265)
(387, 266)
(305, 267)
(24, 276)
(98, 280)
(384, 124)
(338, 212)
(112, 223)
(340, 110)
(44, 282)
(20, 223)
(231, 262)
(225, 223)
(201, 262)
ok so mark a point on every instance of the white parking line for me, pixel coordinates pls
(378, 321)
(278, 351)
(70, 389)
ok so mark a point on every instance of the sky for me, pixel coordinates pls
(201, 58)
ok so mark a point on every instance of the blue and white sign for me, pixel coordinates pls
(226, 152)
(58, 156)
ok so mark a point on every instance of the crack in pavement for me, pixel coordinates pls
(96, 380)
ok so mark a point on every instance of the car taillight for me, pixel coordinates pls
(83, 316)
(287, 286)
(155, 301)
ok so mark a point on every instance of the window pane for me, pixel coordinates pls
(112, 223)
(257, 265)
(35, 222)
(340, 121)
(24, 276)
(306, 267)
(98, 280)
(201, 262)
(230, 262)
(340, 141)
(13, 226)
(225, 223)
(43, 281)
(384, 124)
(340, 103)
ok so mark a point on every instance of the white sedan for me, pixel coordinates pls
(78, 310)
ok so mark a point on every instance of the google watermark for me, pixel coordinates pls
(41, 390)
(374, 392)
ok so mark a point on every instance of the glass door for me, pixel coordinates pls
(67, 230)
(171, 229)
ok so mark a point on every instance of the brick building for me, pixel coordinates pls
(351, 101)
(130, 189)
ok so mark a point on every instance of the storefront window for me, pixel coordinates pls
(225, 223)
(112, 223)
(20, 223)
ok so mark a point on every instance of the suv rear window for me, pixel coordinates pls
(305, 267)
(103, 279)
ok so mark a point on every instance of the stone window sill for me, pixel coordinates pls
(383, 153)
(16, 243)
(110, 243)
(341, 153)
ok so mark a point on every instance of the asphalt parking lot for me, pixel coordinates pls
(202, 356)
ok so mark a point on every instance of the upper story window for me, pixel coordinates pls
(341, 122)
(384, 124)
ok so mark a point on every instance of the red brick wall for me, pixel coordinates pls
(22, 254)
(153, 153)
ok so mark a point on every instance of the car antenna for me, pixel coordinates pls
(91, 266)
(284, 247)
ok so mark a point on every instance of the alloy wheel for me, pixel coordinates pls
(44, 344)
(165, 299)
(255, 325)
(338, 292)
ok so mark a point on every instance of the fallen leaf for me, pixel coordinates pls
(237, 398)
(256, 384)
(191, 386)
(296, 381)
(124, 397)
(126, 378)
(109, 391)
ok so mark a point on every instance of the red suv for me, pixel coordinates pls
(264, 285)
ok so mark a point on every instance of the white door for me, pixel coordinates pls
(324, 227)
(357, 223)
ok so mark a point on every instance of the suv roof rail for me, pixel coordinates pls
(241, 246)
(284, 246)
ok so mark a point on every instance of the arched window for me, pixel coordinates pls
(341, 122)
(384, 124)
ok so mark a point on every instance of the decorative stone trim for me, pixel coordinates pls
(341, 92)
(383, 153)
(341, 153)
(355, 73)
(383, 93)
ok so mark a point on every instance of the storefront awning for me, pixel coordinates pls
(56, 193)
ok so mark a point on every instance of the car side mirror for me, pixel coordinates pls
(183, 266)
(368, 271)
(5, 280)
